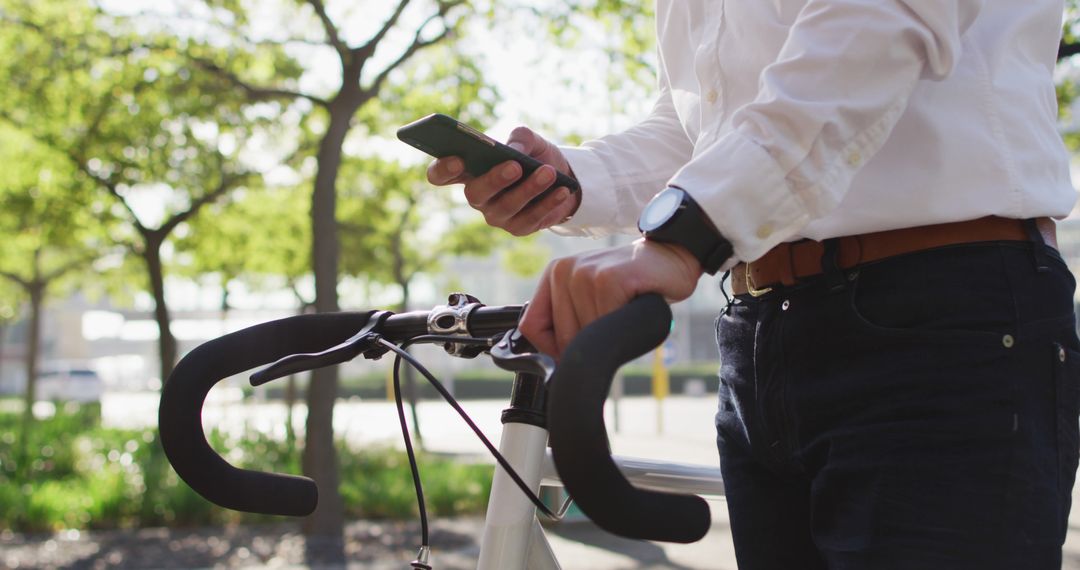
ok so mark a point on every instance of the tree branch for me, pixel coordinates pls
(73, 264)
(24, 23)
(418, 43)
(352, 227)
(254, 92)
(109, 186)
(95, 124)
(305, 305)
(17, 279)
(370, 45)
(226, 182)
(331, 31)
(1067, 49)
(81, 166)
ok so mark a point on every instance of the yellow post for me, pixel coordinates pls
(661, 386)
(390, 382)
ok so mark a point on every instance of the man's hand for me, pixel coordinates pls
(577, 290)
(510, 209)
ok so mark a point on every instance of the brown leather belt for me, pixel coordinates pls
(787, 263)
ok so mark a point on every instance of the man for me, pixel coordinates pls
(899, 377)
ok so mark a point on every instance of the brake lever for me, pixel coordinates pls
(514, 353)
(364, 342)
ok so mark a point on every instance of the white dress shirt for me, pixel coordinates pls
(789, 119)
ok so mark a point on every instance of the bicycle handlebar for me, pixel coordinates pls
(577, 434)
(577, 391)
(180, 410)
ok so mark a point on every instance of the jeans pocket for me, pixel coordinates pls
(1067, 423)
(937, 295)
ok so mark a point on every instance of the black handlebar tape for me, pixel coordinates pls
(180, 411)
(578, 437)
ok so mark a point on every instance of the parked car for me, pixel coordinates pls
(70, 385)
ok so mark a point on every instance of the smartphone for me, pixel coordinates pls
(441, 136)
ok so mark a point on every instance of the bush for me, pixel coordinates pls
(94, 477)
(378, 484)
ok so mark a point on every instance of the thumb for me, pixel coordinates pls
(524, 140)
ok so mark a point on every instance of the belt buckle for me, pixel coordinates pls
(750, 288)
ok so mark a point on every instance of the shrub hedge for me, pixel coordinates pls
(78, 474)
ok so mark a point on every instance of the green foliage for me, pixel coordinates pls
(443, 80)
(118, 104)
(52, 223)
(378, 484)
(154, 138)
(395, 225)
(1067, 77)
(256, 235)
(525, 257)
(53, 440)
(87, 476)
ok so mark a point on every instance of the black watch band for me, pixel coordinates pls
(672, 216)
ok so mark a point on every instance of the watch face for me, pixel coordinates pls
(660, 209)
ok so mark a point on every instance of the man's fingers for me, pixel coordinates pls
(449, 170)
(563, 310)
(523, 139)
(503, 208)
(533, 217)
(593, 293)
(483, 189)
(536, 323)
(559, 205)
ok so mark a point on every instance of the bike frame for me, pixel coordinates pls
(513, 538)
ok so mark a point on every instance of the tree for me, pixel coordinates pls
(365, 72)
(9, 310)
(1070, 41)
(51, 233)
(370, 67)
(259, 237)
(141, 128)
(396, 228)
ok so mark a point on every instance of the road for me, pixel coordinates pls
(686, 434)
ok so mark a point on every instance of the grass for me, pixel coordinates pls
(80, 475)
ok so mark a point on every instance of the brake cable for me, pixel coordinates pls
(401, 354)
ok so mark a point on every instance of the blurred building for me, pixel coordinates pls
(120, 344)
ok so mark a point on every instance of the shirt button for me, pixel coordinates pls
(712, 96)
(764, 231)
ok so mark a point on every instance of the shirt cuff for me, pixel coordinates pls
(744, 192)
(595, 215)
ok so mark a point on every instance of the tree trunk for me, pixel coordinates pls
(410, 374)
(154, 472)
(320, 463)
(290, 405)
(36, 291)
(167, 350)
(3, 339)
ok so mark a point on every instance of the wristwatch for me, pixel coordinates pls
(672, 216)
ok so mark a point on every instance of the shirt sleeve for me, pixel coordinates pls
(824, 108)
(620, 173)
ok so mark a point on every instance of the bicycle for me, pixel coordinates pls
(558, 406)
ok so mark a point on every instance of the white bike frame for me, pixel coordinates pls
(513, 538)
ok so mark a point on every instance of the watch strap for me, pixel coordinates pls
(691, 228)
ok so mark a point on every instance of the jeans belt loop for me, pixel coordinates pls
(750, 288)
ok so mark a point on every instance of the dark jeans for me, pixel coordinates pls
(915, 413)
